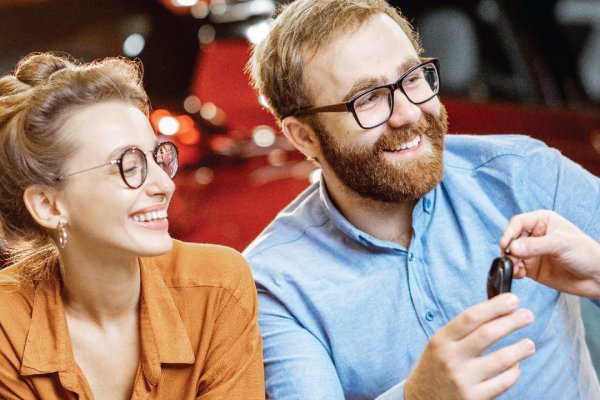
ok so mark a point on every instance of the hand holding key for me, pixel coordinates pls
(501, 273)
(557, 254)
(455, 364)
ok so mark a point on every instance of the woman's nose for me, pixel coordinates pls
(159, 182)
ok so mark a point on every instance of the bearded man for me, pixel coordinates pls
(372, 283)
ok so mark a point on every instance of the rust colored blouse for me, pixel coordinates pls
(198, 332)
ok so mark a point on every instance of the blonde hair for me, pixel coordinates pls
(35, 101)
(303, 27)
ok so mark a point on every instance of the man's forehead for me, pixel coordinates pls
(373, 54)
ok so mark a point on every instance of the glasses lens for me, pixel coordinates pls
(374, 107)
(133, 167)
(421, 84)
(167, 158)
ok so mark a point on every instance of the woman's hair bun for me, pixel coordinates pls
(36, 68)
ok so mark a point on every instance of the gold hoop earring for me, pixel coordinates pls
(62, 234)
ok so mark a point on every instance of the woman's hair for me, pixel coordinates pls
(35, 101)
(300, 29)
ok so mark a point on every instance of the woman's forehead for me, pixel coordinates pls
(101, 128)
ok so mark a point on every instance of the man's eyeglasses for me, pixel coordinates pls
(133, 164)
(374, 107)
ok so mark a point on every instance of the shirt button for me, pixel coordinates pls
(429, 316)
(411, 256)
(427, 204)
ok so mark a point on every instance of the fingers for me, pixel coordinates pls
(535, 246)
(536, 222)
(475, 316)
(492, 388)
(500, 369)
(489, 333)
(499, 361)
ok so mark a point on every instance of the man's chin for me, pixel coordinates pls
(407, 184)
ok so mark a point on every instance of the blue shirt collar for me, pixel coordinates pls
(425, 203)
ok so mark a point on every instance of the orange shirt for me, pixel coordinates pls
(199, 335)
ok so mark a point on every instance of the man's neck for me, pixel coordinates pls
(382, 220)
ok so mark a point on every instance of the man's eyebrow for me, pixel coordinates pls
(406, 65)
(365, 84)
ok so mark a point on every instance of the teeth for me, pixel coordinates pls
(409, 145)
(150, 216)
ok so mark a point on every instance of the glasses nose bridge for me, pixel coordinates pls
(157, 179)
(393, 87)
(401, 110)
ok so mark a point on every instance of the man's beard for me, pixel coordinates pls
(367, 172)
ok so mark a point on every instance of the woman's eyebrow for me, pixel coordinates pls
(118, 151)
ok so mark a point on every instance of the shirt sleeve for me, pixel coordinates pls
(12, 386)
(554, 182)
(297, 365)
(234, 365)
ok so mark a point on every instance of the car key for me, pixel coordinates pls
(500, 276)
(501, 272)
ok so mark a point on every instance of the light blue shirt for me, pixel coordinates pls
(346, 315)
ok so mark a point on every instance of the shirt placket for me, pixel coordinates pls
(425, 305)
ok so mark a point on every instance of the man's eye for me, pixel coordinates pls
(370, 99)
(412, 78)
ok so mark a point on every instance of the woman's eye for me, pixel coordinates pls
(130, 170)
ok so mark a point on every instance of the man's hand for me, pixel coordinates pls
(452, 365)
(557, 254)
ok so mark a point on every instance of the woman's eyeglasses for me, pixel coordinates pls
(133, 164)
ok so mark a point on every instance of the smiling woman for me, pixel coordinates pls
(85, 188)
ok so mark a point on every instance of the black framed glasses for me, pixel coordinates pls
(133, 164)
(374, 107)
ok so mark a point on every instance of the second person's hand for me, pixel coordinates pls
(557, 253)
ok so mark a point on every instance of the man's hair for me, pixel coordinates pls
(35, 101)
(300, 29)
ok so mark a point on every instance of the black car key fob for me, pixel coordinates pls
(500, 276)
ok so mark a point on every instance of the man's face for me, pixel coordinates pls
(399, 160)
(366, 171)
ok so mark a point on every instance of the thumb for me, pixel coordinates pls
(533, 246)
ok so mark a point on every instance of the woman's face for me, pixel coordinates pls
(104, 216)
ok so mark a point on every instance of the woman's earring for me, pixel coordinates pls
(62, 234)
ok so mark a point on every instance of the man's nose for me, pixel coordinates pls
(403, 111)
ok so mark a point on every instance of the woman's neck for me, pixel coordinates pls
(101, 290)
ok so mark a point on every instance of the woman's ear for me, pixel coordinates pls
(302, 136)
(41, 202)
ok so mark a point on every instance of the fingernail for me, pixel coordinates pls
(529, 346)
(512, 300)
(517, 247)
(526, 315)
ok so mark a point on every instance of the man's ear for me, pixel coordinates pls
(41, 202)
(302, 136)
